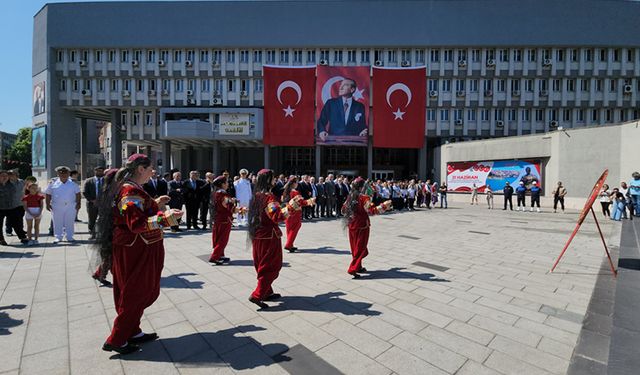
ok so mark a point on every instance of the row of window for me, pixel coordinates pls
(528, 85)
(351, 55)
(178, 85)
(136, 118)
(539, 115)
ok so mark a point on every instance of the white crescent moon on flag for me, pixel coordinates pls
(396, 87)
(326, 88)
(289, 84)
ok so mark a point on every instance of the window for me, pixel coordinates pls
(487, 84)
(512, 115)
(60, 56)
(542, 85)
(364, 56)
(446, 85)
(324, 54)
(139, 85)
(629, 55)
(72, 56)
(498, 114)
(85, 55)
(462, 54)
(74, 86)
(351, 56)
(152, 84)
(517, 55)
(179, 85)
(433, 85)
(297, 56)
(501, 84)
(471, 115)
(271, 56)
(63, 85)
(553, 114)
(475, 55)
(459, 84)
(528, 85)
(612, 85)
(584, 85)
(598, 85)
(151, 56)
(231, 85)
(114, 85)
(244, 85)
(566, 115)
(231, 56)
(556, 85)
(148, 118)
(560, 55)
(546, 54)
(124, 56)
(98, 56)
(217, 56)
(164, 55)
(136, 118)
(608, 115)
(218, 85)
(515, 85)
(177, 56)
(504, 55)
(526, 115)
(444, 115)
(420, 56)
(571, 85)
(489, 54)
(137, 55)
(127, 85)
(124, 118)
(603, 54)
(431, 115)
(531, 55)
(337, 56)
(594, 115)
(580, 116)
(473, 85)
(448, 55)
(112, 56)
(406, 55)
(539, 115)
(484, 115)
(392, 56)
(616, 55)
(244, 56)
(311, 56)
(191, 84)
(257, 57)
(588, 55)
(257, 85)
(574, 55)
(434, 56)
(457, 114)
(165, 85)
(284, 56)
(204, 56)
(378, 55)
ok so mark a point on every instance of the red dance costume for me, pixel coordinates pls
(359, 231)
(267, 248)
(137, 260)
(222, 221)
(294, 222)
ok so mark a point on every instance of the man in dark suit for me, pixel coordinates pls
(191, 193)
(175, 193)
(205, 198)
(321, 202)
(342, 191)
(231, 190)
(91, 191)
(278, 188)
(342, 115)
(155, 187)
(330, 193)
(305, 190)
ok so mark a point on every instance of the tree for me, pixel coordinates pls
(19, 154)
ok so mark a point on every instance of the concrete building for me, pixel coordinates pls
(6, 141)
(163, 73)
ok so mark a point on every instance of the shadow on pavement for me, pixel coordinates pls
(6, 321)
(327, 302)
(17, 254)
(178, 281)
(396, 273)
(323, 250)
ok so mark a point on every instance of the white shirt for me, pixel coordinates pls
(243, 190)
(62, 194)
(346, 113)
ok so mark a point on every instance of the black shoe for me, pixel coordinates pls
(4, 243)
(363, 270)
(196, 228)
(24, 241)
(291, 249)
(261, 304)
(144, 338)
(216, 262)
(225, 259)
(104, 282)
(127, 349)
(355, 275)
(273, 297)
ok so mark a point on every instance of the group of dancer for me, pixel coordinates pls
(130, 238)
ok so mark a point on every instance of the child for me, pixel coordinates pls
(32, 203)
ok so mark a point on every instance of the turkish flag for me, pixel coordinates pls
(399, 106)
(289, 105)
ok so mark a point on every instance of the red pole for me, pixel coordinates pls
(566, 246)
(604, 243)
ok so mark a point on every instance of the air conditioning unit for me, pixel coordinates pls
(191, 102)
(433, 93)
(188, 63)
(244, 93)
(215, 63)
(82, 63)
(85, 92)
(515, 93)
(491, 63)
(165, 92)
(216, 93)
(405, 63)
(216, 101)
(499, 124)
(135, 62)
(627, 89)
(189, 92)
(546, 62)
(459, 122)
(460, 93)
(462, 63)
(553, 124)
(378, 63)
(126, 93)
(544, 93)
(488, 93)
(152, 92)
(324, 62)
(162, 63)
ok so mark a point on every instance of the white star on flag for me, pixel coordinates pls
(398, 114)
(358, 94)
(288, 111)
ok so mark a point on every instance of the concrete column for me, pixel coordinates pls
(318, 160)
(83, 149)
(190, 159)
(147, 150)
(116, 139)
(422, 161)
(370, 157)
(267, 156)
(166, 155)
(215, 158)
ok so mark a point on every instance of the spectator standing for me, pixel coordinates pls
(521, 192)
(443, 195)
(330, 192)
(489, 193)
(192, 195)
(605, 200)
(535, 195)
(206, 191)
(18, 209)
(7, 196)
(243, 194)
(434, 193)
(507, 192)
(321, 203)
(91, 191)
(558, 196)
(74, 176)
(314, 195)
(156, 187)
(177, 200)
(63, 200)
(474, 194)
(33, 212)
(411, 195)
(634, 193)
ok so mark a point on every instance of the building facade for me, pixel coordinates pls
(165, 74)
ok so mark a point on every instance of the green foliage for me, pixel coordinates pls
(19, 155)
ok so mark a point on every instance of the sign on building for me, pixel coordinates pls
(234, 124)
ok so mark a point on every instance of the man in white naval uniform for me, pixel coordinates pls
(63, 200)
(243, 195)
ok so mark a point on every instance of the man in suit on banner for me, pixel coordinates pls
(343, 116)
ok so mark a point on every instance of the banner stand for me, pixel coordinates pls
(585, 211)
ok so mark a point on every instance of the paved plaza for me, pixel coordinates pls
(463, 291)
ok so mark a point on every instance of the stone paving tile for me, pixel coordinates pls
(495, 310)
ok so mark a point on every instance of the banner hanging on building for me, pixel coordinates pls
(342, 97)
(288, 105)
(495, 174)
(399, 102)
(39, 147)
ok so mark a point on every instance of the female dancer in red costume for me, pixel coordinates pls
(131, 237)
(224, 207)
(264, 215)
(356, 211)
(294, 222)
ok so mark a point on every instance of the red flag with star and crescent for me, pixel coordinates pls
(399, 106)
(289, 105)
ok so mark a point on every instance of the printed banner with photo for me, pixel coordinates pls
(495, 174)
(288, 105)
(39, 105)
(39, 147)
(342, 105)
